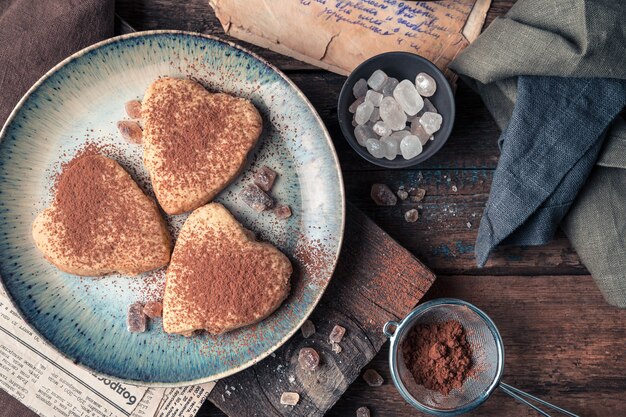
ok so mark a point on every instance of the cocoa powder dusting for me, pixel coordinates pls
(227, 278)
(202, 136)
(438, 355)
(95, 214)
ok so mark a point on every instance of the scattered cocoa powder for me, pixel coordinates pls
(438, 355)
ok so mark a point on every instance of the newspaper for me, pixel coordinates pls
(53, 386)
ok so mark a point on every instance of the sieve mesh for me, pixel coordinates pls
(487, 358)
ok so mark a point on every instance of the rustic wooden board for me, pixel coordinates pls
(376, 280)
(562, 343)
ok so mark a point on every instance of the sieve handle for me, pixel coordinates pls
(523, 397)
(387, 328)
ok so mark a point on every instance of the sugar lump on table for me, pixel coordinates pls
(417, 194)
(307, 329)
(363, 412)
(376, 81)
(392, 114)
(431, 122)
(336, 335)
(410, 147)
(360, 88)
(425, 84)
(363, 112)
(411, 216)
(407, 97)
(372, 378)
(375, 148)
(308, 359)
(382, 195)
(289, 398)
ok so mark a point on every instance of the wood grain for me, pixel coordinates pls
(562, 343)
(194, 16)
(375, 281)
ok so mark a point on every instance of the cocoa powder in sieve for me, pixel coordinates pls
(438, 355)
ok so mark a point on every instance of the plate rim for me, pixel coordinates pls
(327, 137)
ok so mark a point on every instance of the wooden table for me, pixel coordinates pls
(562, 341)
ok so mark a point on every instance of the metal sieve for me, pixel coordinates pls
(487, 361)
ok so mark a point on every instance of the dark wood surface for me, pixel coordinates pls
(562, 341)
(376, 280)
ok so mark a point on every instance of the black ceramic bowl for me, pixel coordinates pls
(400, 65)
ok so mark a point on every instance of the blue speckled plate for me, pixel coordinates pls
(78, 102)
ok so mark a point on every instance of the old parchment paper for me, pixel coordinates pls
(338, 35)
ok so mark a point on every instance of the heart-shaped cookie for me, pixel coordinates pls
(101, 222)
(220, 277)
(195, 142)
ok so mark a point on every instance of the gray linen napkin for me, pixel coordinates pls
(570, 38)
(34, 36)
(548, 149)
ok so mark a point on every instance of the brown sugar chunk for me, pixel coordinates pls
(133, 109)
(256, 198)
(264, 178)
(153, 309)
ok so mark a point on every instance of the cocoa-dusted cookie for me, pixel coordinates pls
(101, 222)
(220, 277)
(195, 142)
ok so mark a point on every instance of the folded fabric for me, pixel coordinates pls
(36, 35)
(547, 152)
(570, 38)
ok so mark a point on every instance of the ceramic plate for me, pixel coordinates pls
(79, 102)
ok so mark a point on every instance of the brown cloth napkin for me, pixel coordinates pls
(35, 35)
